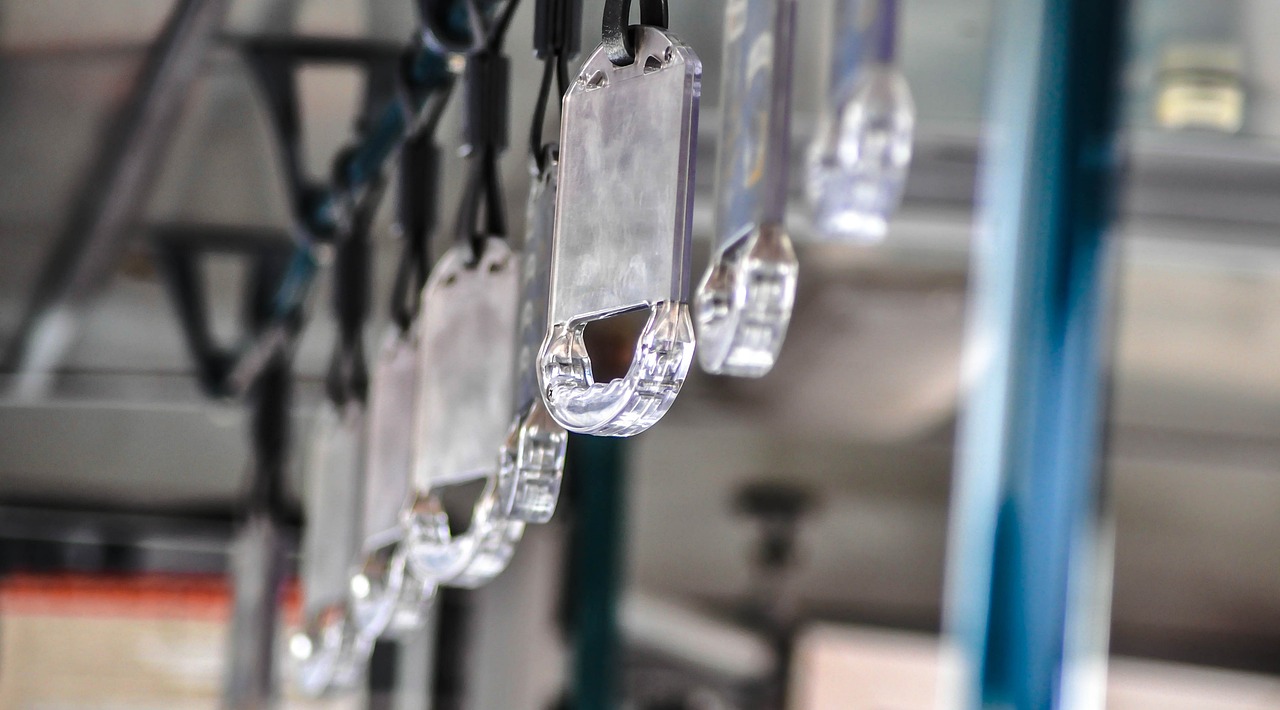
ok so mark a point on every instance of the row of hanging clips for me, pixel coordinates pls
(485, 369)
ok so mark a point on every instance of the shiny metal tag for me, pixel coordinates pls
(622, 233)
(861, 151)
(467, 348)
(531, 463)
(464, 400)
(743, 305)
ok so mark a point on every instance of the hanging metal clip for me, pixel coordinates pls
(744, 302)
(464, 389)
(622, 232)
(858, 160)
(328, 653)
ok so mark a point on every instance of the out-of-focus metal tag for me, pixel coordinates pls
(622, 233)
(464, 401)
(388, 471)
(744, 302)
(533, 457)
(326, 654)
(379, 591)
(331, 542)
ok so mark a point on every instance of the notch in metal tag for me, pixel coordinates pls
(744, 302)
(622, 233)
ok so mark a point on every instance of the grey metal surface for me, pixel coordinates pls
(624, 212)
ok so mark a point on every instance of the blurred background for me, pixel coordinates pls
(811, 504)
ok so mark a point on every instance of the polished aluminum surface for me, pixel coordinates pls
(625, 207)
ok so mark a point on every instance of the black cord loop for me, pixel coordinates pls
(486, 82)
(557, 35)
(348, 376)
(615, 32)
(417, 192)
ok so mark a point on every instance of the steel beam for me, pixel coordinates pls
(111, 198)
(1029, 561)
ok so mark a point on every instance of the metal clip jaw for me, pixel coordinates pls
(622, 233)
(627, 406)
(744, 304)
(531, 466)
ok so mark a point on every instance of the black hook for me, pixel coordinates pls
(616, 34)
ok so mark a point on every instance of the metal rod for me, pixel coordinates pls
(598, 478)
(1028, 593)
(113, 194)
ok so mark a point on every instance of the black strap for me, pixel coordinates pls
(615, 32)
(557, 28)
(417, 194)
(348, 376)
(557, 35)
(487, 80)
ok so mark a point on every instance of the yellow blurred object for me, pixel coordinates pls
(1200, 87)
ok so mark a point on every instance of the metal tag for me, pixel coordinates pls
(379, 588)
(388, 471)
(531, 463)
(745, 299)
(464, 399)
(326, 652)
(533, 457)
(331, 546)
(622, 233)
(861, 151)
(467, 348)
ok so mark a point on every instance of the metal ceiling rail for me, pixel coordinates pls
(1028, 574)
(112, 195)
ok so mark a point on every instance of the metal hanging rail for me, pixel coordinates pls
(1028, 569)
